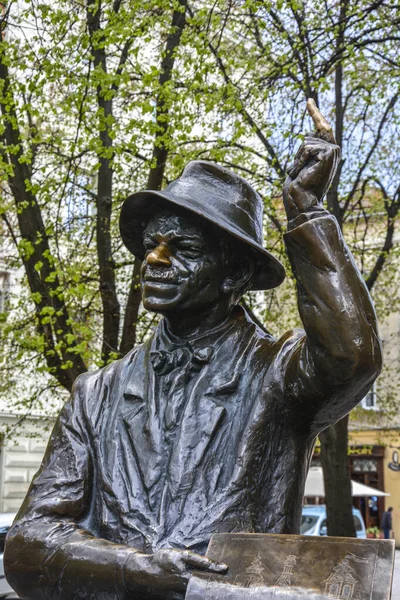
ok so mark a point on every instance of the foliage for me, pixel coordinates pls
(100, 98)
(374, 532)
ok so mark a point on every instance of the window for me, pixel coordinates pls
(307, 523)
(334, 589)
(4, 290)
(346, 593)
(357, 525)
(323, 530)
(3, 533)
(365, 465)
(370, 400)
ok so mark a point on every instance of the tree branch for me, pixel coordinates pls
(392, 209)
(364, 165)
(273, 157)
(160, 147)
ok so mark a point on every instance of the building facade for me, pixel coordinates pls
(20, 457)
(377, 464)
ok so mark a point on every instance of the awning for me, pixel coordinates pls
(359, 489)
(315, 486)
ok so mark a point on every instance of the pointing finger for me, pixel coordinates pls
(202, 562)
(324, 130)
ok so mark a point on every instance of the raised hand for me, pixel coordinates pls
(313, 169)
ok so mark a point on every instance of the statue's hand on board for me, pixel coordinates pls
(313, 169)
(165, 574)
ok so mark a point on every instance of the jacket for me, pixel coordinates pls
(386, 520)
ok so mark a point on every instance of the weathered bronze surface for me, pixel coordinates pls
(262, 567)
(208, 426)
(321, 124)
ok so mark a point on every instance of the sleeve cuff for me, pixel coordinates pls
(316, 212)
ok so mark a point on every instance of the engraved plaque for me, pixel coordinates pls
(266, 566)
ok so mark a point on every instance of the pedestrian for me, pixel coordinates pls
(386, 523)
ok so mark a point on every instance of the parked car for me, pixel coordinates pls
(6, 590)
(313, 521)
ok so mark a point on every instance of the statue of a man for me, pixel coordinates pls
(208, 426)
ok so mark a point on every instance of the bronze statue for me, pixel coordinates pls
(209, 426)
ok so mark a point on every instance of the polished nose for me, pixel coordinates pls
(160, 256)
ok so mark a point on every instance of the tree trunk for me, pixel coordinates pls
(334, 440)
(131, 311)
(108, 291)
(338, 498)
(158, 162)
(160, 147)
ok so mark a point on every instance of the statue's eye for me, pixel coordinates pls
(149, 245)
(189, 250)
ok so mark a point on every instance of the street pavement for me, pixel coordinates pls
(396, 577)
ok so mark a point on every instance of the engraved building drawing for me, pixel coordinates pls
(341, 582)
(285, 579)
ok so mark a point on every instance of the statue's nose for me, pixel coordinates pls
(160, 256)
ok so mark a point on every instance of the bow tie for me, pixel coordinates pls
(164, 362)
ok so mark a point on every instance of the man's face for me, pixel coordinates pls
(182, 268)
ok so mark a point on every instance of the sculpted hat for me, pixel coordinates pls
(218, 196)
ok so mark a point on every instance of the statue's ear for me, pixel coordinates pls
(239, 275)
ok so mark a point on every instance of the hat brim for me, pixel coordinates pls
(140, 206)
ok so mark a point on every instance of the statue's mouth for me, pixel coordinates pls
(167, 275)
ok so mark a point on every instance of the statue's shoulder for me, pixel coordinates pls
(95, 392)
(91, 380)
(278, 346)
(262, 341)
(287, 343)
(250, 325)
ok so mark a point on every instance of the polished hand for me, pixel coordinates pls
(166, 573)
(313, 169)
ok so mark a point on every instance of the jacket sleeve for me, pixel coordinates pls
(332, 364)
(47, 554)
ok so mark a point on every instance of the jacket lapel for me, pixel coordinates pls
(140, 427)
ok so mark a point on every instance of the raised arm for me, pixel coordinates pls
(332, 367)
(49, 553)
